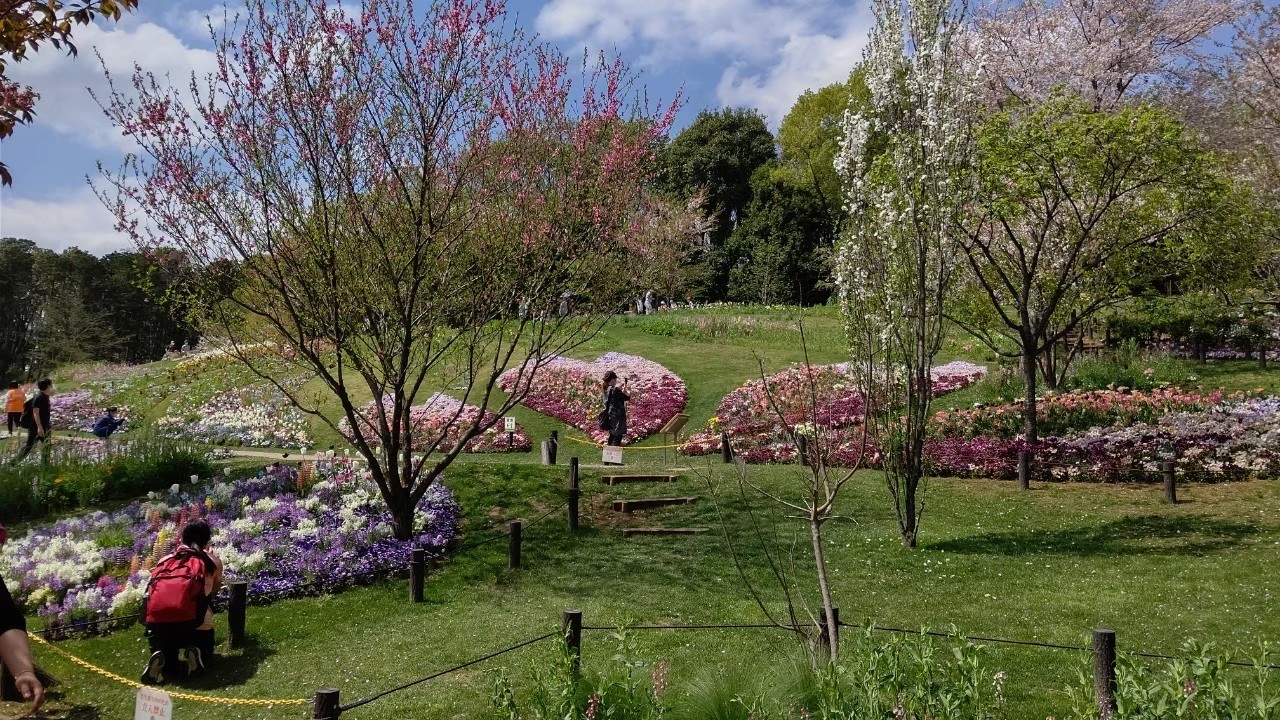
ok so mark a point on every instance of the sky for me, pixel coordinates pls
(717, 53)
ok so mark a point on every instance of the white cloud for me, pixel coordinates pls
(804, 62)
(78, 219)
(65, 104)
(773, 51)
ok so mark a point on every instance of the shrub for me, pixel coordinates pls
(80, 474)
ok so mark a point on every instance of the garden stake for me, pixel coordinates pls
(1167, 469)
(1104, 670)
(326, 705)
(417, 574)
(236, 611)
(513, 546)
(572, 629)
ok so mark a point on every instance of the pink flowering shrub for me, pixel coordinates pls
(443, 413)
(818, 395)
(570, 390)
(1060, 414)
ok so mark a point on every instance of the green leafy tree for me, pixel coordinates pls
(19, 298)
(780, 251)
(717, 154)
(809, 138)
(1070, 201)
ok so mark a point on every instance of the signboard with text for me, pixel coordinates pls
(509, 423)
(613, 454)
(153, 705)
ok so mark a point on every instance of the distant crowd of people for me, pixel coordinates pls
(649, 304)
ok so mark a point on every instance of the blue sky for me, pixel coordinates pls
(753, 53)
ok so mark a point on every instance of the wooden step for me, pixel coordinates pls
(663, 531)
(616, 479)
(627, 506)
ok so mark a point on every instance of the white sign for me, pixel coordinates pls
(613, 454)
(509, 423)
(153, 705)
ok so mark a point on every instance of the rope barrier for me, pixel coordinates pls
(469, 663)
(261, 702)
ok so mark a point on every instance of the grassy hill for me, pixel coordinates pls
(1048, 565)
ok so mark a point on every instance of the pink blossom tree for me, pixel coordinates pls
(400, 197)
(1103, 51)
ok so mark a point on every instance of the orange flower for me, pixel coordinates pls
(57, 480)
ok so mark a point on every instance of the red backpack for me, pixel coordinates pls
(175, 592)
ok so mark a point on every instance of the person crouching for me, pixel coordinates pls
(177, 608)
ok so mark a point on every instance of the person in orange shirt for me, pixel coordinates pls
(13, 404)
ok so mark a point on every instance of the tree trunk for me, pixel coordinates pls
(820, 562)
(402, 520)
(909, 527)
(1029, 419)
(1262, 356)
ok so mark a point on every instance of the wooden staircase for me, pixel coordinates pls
(627, 506)
(619, 479)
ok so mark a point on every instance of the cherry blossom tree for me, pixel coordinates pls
(1104, 51)
(399, 197)
(905, 160)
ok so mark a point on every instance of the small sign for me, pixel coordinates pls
(509, 423)
(153, 705)
(613, 454)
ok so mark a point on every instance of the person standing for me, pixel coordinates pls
(37, 415)
(13, 405)
(615, 408)
(15, 652)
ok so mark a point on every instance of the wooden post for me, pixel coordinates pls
(236, 611)
(555, 445)
(326, 705)
(513, 546)
(1169, 470)
(1024, 469)
(573, 494)
(511, 441)
(417, 574)
(802, 449)
(726, 450)
(572, 628)
(1104, 670)
(823, 630)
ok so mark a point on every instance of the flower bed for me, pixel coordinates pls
(79, 410)
(750, 414)
(439, 411)
(281, 535)
(1060, 414)
(570, 390)
(1236, 439)
(259, 415)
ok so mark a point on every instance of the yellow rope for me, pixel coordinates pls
(184, 696)
(625, 447)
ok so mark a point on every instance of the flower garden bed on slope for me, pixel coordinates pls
(281, 534)
(79, 410)
(758, 435)
(428, 420)
(570, 390)
(259, 416)
(1233, 439)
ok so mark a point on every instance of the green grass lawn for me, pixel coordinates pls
(1047, 565)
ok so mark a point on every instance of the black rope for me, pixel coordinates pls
(495, 538)
(406, 686)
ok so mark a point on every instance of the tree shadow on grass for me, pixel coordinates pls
(1140, 535)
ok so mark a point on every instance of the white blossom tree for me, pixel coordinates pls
(1103, 51)
(905, 159)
